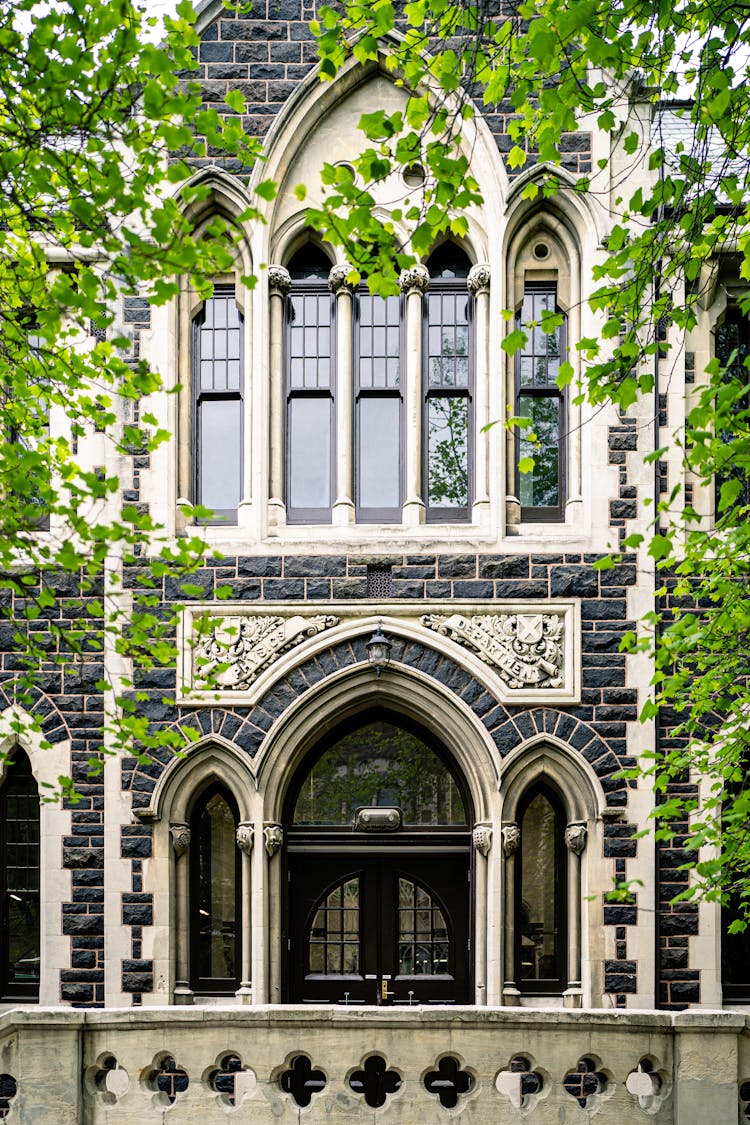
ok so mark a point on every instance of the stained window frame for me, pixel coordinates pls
(220, 516)
(200, 985)
(375, 514)
(301, 287)
(546, 986)
(549, 390)
(11, 991)
(457, 286)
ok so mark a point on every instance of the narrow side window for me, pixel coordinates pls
(218, 379)
(20, 947)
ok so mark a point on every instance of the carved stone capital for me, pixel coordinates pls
(575, 838)
(511, 835)
(245, 838)
(482, 838)
(180, 834)
(273, 836)
(415, 280)
(338, 278)
(279, 280)
(478, 280)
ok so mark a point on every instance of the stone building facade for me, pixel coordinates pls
(369, 875)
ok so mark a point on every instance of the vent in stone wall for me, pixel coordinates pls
(379, 582)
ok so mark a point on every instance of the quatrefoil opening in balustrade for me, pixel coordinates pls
(648, 1085)
(232, 1082)
(745, 1098)
(449, 1082)
(520, 1083)
(301, 1081)
(586, 1082)
(167, 1080)
(375, 1081)
(107, 1080)
(8, 1091)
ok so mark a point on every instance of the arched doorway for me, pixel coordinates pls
(378, 830)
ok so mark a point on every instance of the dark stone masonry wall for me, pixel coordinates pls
(595, 728)
(266, 53)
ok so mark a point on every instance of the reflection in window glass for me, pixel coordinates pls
(423, 942)
(733, 343)
(217, 924)
(540, 399)
(540, 951)
(447, 452)
(334, 941)
(447, 361)
(19, 881)
(379, 764)
(540, 488)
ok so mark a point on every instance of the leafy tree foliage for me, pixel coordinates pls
(555, 66)
(96, 134)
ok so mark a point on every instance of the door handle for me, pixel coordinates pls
(384, 993)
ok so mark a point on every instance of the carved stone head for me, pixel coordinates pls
(273, 835)
(180, 834)
(511, 834)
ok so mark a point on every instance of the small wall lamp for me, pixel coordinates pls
(378, 650)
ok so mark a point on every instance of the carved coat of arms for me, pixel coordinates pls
(527, 648)
(234, 653)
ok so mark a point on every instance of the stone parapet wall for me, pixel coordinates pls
(61, 1066)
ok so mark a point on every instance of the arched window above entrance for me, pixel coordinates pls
(380, 764)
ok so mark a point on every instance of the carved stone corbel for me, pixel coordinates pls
(273, 835)
(337, 278)
(245, 837)
(575, 837)
(180, 834)
(415, 280)
(478, 280)
(279, 280)
(511, 835)
(482, 838)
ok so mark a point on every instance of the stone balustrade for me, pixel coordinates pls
(60, 1066)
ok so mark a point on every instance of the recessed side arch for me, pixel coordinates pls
(211, 759)
(547, 758)
(402, 691)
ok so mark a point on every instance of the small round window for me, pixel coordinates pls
(414, 176)
(379, 764)
(541, 251)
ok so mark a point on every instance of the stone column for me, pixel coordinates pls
(343, 505)
(180, 833)
(482, 839)
(511, 835)
(279, 284)
(575, 842)
(414, 284)
(479, 286)
(273, 838)
(245, 836)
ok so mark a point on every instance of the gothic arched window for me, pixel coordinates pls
(215, 895)
(20, 944)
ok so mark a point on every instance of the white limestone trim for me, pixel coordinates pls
(48, 764)
(400, 619)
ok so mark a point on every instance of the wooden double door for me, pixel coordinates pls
(378, 928)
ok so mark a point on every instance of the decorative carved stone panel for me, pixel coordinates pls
(521, 652)
(235, 650)
(527, 648)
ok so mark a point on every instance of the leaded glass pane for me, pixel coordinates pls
(423, 942)
(333, 945)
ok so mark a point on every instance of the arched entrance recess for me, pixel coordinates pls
(378, 831)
